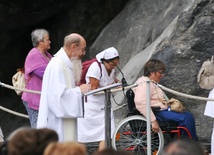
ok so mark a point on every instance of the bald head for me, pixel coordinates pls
(73, 38)
(74, 46)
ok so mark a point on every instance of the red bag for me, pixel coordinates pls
(85, 65)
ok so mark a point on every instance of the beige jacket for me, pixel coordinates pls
(156, 95)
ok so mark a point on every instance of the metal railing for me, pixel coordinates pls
(113, 90)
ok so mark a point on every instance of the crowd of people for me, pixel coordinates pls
(57, 78)
(44, 141)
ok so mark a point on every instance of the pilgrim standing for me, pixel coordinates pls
(91, 128)
(35, 64)
(61, 98)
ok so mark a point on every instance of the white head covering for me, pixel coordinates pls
(107, 54)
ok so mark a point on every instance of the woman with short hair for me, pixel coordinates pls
(154, 71)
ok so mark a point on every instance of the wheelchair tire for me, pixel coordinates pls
(130, 135)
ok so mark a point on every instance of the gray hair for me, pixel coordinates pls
(38, 35)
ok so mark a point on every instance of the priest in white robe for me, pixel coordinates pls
(209, 111)
(61, 98)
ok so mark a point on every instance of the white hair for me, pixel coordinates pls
(77, 66)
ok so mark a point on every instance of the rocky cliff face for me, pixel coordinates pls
(178, 32)
(184, 51)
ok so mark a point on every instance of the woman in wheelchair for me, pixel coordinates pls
(154, 71)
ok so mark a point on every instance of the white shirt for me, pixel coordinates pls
(91, 128)
(58, 100)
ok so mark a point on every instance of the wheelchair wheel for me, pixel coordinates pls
(131, 135)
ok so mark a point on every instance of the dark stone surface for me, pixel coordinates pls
(10, 122)
(19, 18)
(137, 26)
(183, 51)
(132, 31)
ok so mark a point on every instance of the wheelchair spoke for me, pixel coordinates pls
(131, 135)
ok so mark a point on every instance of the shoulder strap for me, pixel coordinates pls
(99, 64)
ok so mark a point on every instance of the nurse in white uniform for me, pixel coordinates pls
(91, 128)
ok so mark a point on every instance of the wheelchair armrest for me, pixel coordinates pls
(157, 108)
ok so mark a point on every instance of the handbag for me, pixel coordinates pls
(18, 80)
(205, 76)
(175, 105)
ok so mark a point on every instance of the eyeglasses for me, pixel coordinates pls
(161, 72)
(46, 40)
(83, 49)
(112, 64)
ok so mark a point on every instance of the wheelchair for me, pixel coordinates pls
(131, 133)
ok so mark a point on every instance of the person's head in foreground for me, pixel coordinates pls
(110, 151)
(183, 147)
(29, 141)
(66, 148)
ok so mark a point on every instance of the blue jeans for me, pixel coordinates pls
(183, 119)
(32, 113)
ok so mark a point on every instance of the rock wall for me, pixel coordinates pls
(60, 18)
(19, 18)
(178, 32)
